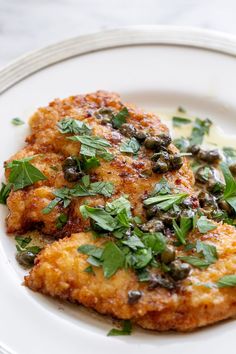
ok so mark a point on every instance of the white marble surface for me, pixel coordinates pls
(30, 24)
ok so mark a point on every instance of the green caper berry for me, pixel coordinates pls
(104, 113)
(151, 211)
(105, 121)
(210, 156)
(225, 206)
(159, 281)
(140, 136)
(25, 258)
(69, 162)
(152, 143)
(72, 175)
(168, 255)
(194, 149)
(153, 225)
(134, 296)
(232, 168)
(179, 270)
(165, 140)
(128, 130)
(160, 167)
(176, 162)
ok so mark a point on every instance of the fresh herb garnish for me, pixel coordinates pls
(230, 186)
(227, 281)
(112, 259)
(73, 126)
(89, 163)
(91, 145)
(165, 202)
(208, 251)
(100, 216)
(201, 127)
(182, 144)
(23, 173)
(130, 146)
(64, 195)
(120, 118)
(183, 228)
(17, 121)
(126, 330)
(4, 192)
(22, 244)
(229, 154)
(204, 225)
(61, 221)
(179, 121)
(196, 261)
(161, 188)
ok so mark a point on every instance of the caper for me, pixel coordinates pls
(140, 135)
(159, 281)
(194, 149)
(128, 130)
(163, 155)
(153, 225)
(225, 206)
(232, 168)
(215, 186)
(105, 114)
(203, 174)
(165, 139)
(179, 270)
(151, 211)
(209, 156)
(69, 162)
(160, 167)
(134, 296)
(176, 162)
(168, 255)
(25, 258)
(152, 143)
(71, 174)
(167, 217)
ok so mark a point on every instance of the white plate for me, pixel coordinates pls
(157, 68)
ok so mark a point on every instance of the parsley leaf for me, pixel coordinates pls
(4, 192)
(230, 155)
(161, 188)
(182, 230)
(196, 261)
(100, 216)
(17, 121)
(22, 242)
(113, 259)
(91, 250)
(64, 195)
(209, 251)
(91, 145)
(201, 127)
(120, 118)
(204, 225)
(73, 126)
(226, 281)
(126, 330)
(133, 242)
(89, 163)
(130, 146)
(117, 205)
(61, 221)
(230, 186)
(23, 173)
(179, 121)
(165, 202)
(104, 188)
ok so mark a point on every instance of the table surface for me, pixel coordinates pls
(27, 25)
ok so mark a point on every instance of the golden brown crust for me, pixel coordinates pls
(126, 172)
(59, 272)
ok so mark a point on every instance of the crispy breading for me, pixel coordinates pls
(59, 272)
(126, 172)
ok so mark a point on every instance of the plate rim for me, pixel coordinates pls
(34, 61)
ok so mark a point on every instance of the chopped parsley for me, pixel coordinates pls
(91, 145)
(130, 146)
(204, 225)
(23, 173)
(120, 118)
(207, 256)
(64, 195)
(230, 186)
(73, 126)
(17, 121)
(165, 202)
(201, 127)
(182, 230)
(126, 329)
(227, 281)
(179, 121)
(61, 221)
(4, 192)
(22, 244)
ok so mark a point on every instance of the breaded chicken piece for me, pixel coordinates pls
(127, 173)
(59, 272)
